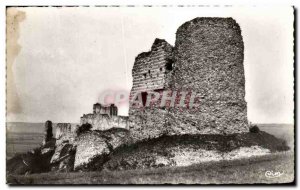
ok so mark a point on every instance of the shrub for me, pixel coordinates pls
(83, 128)
(31, 162)
(254, 129)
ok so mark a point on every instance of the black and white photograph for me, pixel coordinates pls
(150, 95)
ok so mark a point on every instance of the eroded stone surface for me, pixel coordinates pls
(89, 146)
(93, 147)
(63, 157)
(64, 133)
(209, 55)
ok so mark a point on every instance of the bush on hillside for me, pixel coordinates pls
(254, 129)
(83, 128)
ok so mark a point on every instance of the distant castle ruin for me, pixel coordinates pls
(104, 117)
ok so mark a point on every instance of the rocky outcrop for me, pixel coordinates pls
(87, 149)
(94, 147)
(90, 146)
(63, 157)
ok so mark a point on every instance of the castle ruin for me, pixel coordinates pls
(104, 117)
(208, 60)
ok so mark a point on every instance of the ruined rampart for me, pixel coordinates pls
(104, 121)
(151, 72)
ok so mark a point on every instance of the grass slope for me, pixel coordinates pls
(225, 172)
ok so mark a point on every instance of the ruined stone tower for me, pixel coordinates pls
(209, 54)
(208, 60)
(110, 110)
(48, 132)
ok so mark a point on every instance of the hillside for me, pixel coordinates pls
(248, 170)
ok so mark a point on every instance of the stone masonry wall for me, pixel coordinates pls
(149, 69)
(150, 72)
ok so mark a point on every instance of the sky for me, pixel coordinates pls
(69, 56)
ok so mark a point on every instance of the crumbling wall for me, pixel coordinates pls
(150, 72)
(98, 121)
(104, 122)
(149, 69)
(119, 122)
(64, 131)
